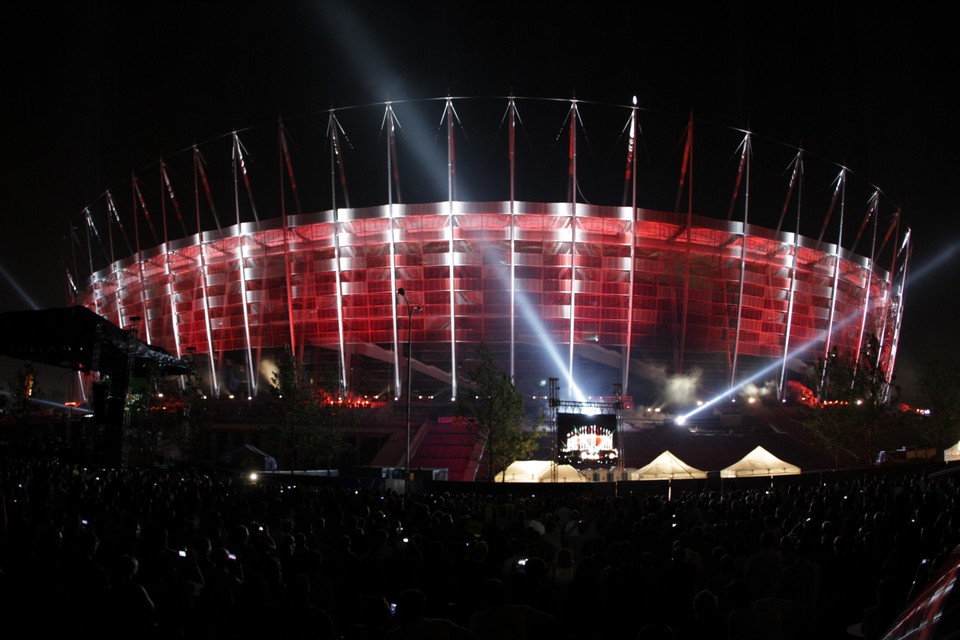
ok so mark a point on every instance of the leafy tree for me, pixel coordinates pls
(338, 415)
(852, 398)
(309, 425)
(24, 390)
(166, 414)
(831, 426)
(494, 408)
(939, 385)
(195, 438)
(872, 396)
(182, 417)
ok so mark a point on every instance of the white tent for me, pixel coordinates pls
(667, 466)
(952, 454)
(539, 471)
(759, 462)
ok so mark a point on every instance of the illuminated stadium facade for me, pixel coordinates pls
(553, 232)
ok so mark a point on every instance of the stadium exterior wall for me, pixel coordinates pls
(600, 296)
(524, 282)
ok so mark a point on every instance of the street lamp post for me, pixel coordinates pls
(410, 309)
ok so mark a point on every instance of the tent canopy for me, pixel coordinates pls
(539, 471)
(667, 466)
(759, 462)
(952, 454)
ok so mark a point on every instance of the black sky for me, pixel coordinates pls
(94, 90)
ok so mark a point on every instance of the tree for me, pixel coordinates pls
(939, 383)
(24, 391)
(337, 415)
(308, 426)
(197, 421)
(494, 408)
(852, 401)
(183, 418)
(169, 419)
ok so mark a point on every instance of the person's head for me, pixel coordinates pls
(768, 540)
(88, 542)
(563, 557)
(298, 588)
(479, 550)
(728, 564)
(240, 534)
(203, 546)
(493, 593)
(411, 605)
(221, 557)
(127, 566)
(705, 603)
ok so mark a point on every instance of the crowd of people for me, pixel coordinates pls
(185, 553)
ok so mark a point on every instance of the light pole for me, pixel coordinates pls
(410, 310)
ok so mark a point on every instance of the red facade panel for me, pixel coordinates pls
(685, 298)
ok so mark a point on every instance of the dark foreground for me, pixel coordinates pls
(189, 554)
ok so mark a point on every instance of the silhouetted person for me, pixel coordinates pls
(879, 616)
(763, 567)
(131, 611)
(221, 589)
(413, 624)
(801, 583)
(297, 617)
(87, 584)
(704, 622)
(498, 619)
(375, 620)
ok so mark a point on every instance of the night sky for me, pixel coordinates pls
(95, 90)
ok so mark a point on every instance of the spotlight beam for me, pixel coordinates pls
(931, 266)
(526, 309)
(751, 379)
(50, 403)
(20, 290)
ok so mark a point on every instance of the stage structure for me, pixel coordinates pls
(551, 237)
(588, 434)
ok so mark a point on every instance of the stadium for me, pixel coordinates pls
(618, 250)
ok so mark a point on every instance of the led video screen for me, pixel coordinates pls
(585, 440)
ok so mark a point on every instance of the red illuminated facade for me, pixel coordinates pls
(596, 294)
